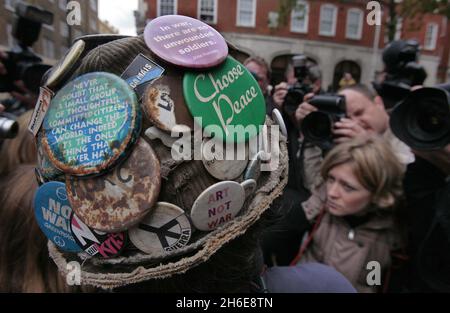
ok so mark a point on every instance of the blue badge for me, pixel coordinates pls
(53, 212)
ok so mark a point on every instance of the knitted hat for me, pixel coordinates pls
(182, 181)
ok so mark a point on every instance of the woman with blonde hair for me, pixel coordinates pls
(25, 265)
(363, 186)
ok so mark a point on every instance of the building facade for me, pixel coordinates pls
(54, 39)
(335, 34)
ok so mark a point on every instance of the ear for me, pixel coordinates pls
(379, 101)
(385, 201)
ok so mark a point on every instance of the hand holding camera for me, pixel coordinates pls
(347, 129)
(304, 109)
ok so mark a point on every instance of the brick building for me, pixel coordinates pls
(332, 33)
(54, 39)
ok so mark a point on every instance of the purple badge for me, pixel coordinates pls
(185, 41)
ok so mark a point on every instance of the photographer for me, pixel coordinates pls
(21, 70)
(422, 121)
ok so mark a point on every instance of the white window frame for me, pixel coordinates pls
(9, 5)
(158, 7)
(238, 15)
(434, 34)
(9, 34)
(62, 4)
(63, 25)
(303, 30)
(358, 35)
(333, 26)
(93, 4)
(199, 4)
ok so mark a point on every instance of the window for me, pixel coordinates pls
(10, 36)
(63, 4)
(93, 24)
(9, 4)
(63, 29)
(93, 4)
(300, 17)
(63, 50)
(431, 36)
(398, 28)
(246, 13)
(328, 14)
(354, 24)
(49, 48)
(167, 7)
(207, 11)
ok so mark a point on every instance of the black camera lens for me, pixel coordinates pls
(317, 127)
(428, 121)
(422, 120)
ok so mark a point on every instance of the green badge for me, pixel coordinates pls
(226, 101)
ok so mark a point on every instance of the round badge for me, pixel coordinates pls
(254, 168)
(249, 187)
(185, 41)
(165, 229)
(221, 163)
(278, 119)
(164, 104)
(226, 101)
(217, 205)
(47, 170)
(90, 124)
(66, 65)
(120, 199)
(94, 242)
(52, 210)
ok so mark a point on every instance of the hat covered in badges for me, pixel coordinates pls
(134, 182)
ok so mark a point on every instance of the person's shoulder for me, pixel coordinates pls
(306, 278)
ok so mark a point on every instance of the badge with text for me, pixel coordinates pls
(226, 101)
(94, 242)
(91, 123)
(165, 229)
(120, 199)
(223, 163)
(185, 41)
(42, 105)
(53, 212)
(66, 65)
(217, 205)
(140, 72)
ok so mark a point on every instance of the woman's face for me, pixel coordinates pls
(345, 194)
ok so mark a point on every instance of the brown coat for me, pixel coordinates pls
(372, 241)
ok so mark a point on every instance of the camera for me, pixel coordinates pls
(8, 127)
(422, 120)
(402, 71)
(21, 62)
(317, 127)
(297, 92)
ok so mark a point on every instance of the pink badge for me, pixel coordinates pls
(185, 41)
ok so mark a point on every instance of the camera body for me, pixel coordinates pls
(299, 90)
(8, 127)
(402, 71)
(422, 120)
(317, 127)
(22, 63)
